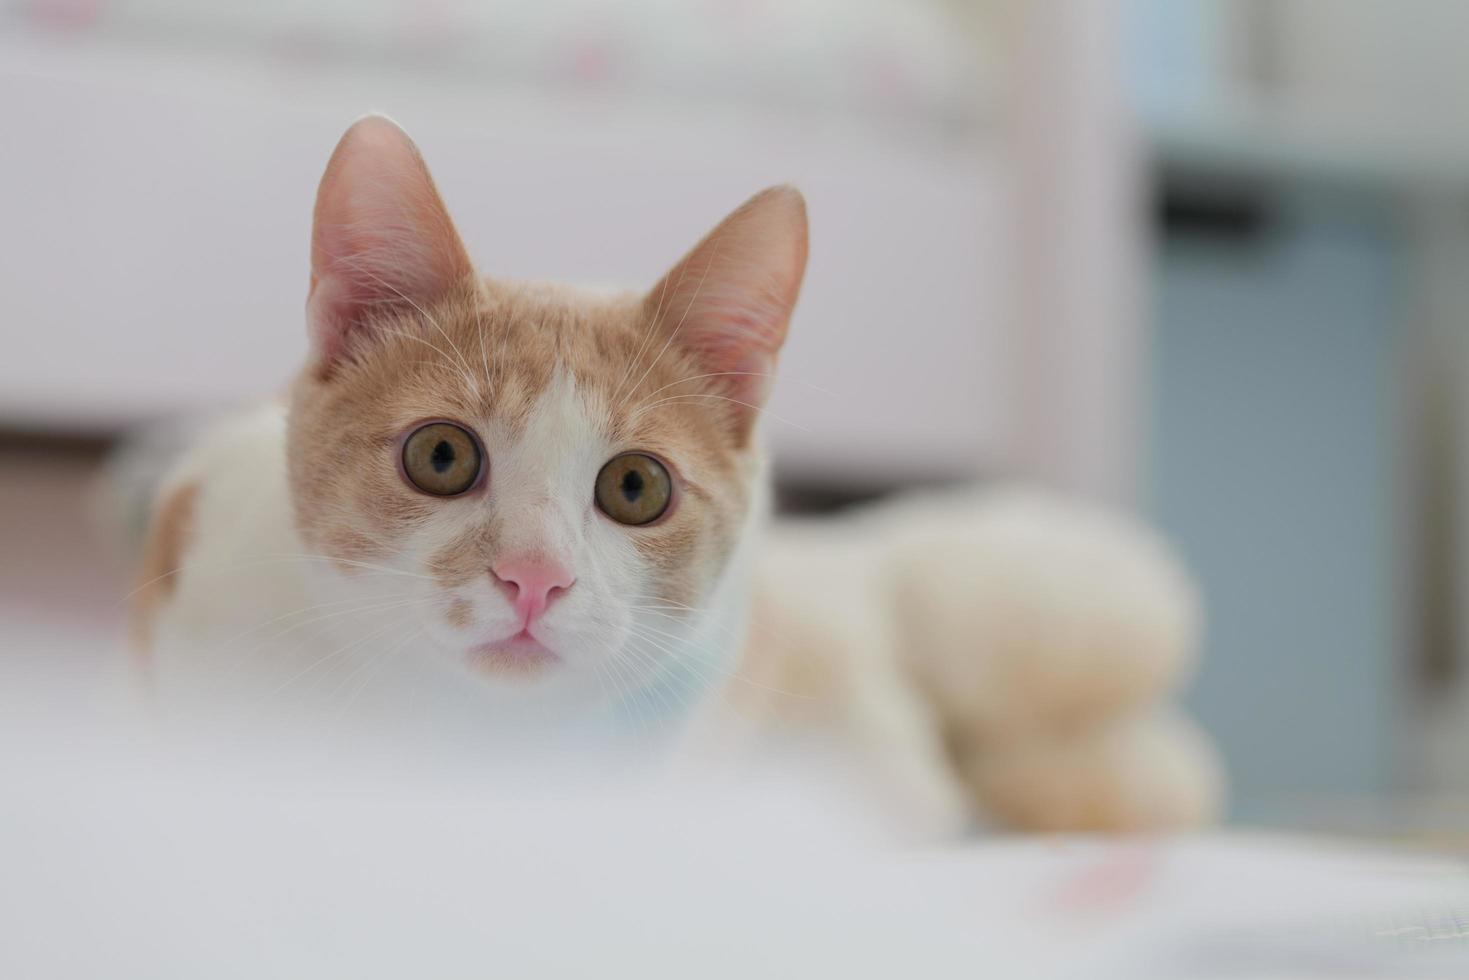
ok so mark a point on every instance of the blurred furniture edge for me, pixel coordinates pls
(1269, 120)
(968, 308)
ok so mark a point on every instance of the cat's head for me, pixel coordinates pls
(553, 481)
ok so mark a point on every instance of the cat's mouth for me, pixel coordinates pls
(521, 653)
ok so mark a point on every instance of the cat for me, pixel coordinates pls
(535, 499)
(538, 510)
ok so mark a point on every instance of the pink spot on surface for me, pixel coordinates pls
(592, 60)
(67, 14)
(888, 77)
(1120, 878)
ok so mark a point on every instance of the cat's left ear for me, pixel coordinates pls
(729, 301)
(381, 238)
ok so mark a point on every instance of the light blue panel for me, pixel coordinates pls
(1174, 55)
(1272, 466)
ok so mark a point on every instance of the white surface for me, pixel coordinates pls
(127, 855)
(125, 863)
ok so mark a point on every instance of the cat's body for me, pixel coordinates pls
(995, 655)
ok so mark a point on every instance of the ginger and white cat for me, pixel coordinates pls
(528, 491)
(530, 507)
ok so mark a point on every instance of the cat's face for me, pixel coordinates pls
(551, 482)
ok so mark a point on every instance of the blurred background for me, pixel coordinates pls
(1205, 259)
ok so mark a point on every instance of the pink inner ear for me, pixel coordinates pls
(381, 236)
(729, 300)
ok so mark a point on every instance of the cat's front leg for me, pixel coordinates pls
(900, 734)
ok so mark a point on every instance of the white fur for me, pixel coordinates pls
(260, 630)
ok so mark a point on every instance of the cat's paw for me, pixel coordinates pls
(1150, 774)
(1021, 612)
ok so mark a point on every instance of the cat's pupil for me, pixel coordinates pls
(443, 456)
(632, 485)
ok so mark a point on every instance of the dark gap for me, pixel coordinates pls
(57, 443)
(814, 496)
(1238, 213)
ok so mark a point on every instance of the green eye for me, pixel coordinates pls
(441, 458)
(634, 488)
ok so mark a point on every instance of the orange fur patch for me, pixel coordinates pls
(163, 551)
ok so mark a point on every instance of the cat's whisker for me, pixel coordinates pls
(501, 339)
(479, 324)
(698, 628)
(368, 674)
(666, 611)
(223, 567)
(634, 689)
(319, 661)
(741, 374)
(650, 330)
(698, 288)
(288, 650)
(356, 669)
(356, 563)
(285, 653)
(700, 620)
(465, 372)
(618, 696)
(659, 681)
(663, 602)
(672, 613)
(673, 681)
(688, 646)
(693, 636)
(675, 694)
(660, 708)
(364, 610)
(319, 556)
(360, 532)
(355, 602)
(709, 395)
(613, 690)
(640, 595)
(726, 631)
(357, 266)
(632, 692)
(723, 670)
(607, 696)
(669, 679)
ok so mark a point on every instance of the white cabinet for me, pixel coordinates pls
(153, 252)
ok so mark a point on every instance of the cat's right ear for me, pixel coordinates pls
(380, 237)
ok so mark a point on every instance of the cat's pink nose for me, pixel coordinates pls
(531, 583)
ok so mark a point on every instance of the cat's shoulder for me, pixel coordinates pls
(222, 501)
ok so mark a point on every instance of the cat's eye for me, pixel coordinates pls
(634, 488)
(442, 458)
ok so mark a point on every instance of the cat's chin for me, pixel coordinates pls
(521, 655)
